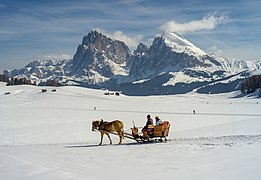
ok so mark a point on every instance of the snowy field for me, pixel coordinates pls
(48, 136)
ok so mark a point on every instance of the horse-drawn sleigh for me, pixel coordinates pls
(151, 134)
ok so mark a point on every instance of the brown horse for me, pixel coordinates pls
(109, 127)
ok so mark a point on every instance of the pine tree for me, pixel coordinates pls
(243, 87)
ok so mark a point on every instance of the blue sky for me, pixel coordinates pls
(33, 29)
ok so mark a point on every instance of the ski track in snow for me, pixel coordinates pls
(200, 143)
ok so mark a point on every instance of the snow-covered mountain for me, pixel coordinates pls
(168, 53)
(42, 69)
(173, 65)
(98, 58)
(170, 65)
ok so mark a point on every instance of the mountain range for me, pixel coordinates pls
(171, 65)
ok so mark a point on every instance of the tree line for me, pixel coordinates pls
(251, 84)
(15, 81)
(19, 81)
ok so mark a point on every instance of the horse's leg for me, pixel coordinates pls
(120, 139)
(109, 137)
(102, 133)
(122, 133)
(121, 136)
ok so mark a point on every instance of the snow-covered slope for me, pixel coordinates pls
(48, 136)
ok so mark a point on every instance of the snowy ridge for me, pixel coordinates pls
(41, 70)
(181, 45)
(235, 65)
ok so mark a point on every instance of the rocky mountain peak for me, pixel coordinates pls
(95, 42)
(168, 53)
(92, 37)
(99, 58)
(141, 49)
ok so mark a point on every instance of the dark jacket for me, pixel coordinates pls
(149, 121)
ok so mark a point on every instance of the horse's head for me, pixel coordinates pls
(95, 125)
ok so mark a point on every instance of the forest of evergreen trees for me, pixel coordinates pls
(251, 84)
(19, 81)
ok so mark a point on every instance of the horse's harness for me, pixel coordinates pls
(102, 126)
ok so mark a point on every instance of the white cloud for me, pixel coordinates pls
(206, 23)
(215, 49)
(53, 57)
(131, 42)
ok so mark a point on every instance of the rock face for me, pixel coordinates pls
(161, 57)
(99, 56)
(171, 65)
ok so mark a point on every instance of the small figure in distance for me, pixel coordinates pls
(158, 121)
(194, 112)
